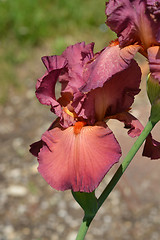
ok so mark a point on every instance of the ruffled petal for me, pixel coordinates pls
(109, 62)
(131, 21)
(46, 91)
(154, 61)
(116, 95)
(77, 56)
(54, 62)
(77, 161)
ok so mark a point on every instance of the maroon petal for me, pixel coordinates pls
(154, 7)
(77, 161)
(54, 62)
(46, 91)
(77, 56)
(154, 61)
(131, 123)
(151, 148)
(108, 63)
(122, 80)
(35, 147)
(132, 22)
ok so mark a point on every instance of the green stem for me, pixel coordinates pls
(84, 228)
(86, 222)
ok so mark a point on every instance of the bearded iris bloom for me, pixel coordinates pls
(78, 149)
(137, 21)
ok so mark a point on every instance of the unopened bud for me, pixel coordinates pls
(153, 91)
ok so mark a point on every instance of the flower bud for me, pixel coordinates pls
(153, 91)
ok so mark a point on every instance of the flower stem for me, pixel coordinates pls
(86, 221)
(84, 228)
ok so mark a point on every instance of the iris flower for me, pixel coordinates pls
(78, 149)
(137, 21)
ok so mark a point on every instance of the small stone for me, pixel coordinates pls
(33, 169)
(72, 236)
(15, 173)
(30, 94)
(17, 142)
(26, 231)
(16, 191)
(62, 213)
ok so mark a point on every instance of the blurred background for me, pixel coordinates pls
(29, 208)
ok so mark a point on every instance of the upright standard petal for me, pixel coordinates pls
(54, 62)
(77, 159)
(77, 56)
(106, 64)
(112, 81)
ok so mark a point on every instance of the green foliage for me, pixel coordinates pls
(33, 20)
(27, 25)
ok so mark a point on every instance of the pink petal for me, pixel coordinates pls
(36, 146)
(77, 161)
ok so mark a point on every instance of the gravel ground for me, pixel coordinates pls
(32, 210)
